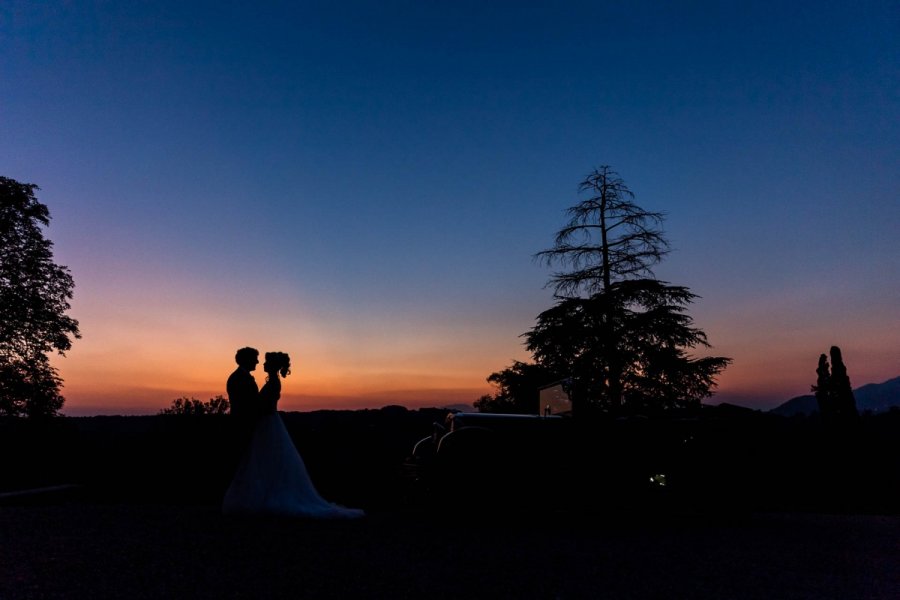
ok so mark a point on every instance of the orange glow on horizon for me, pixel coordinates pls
(136, 357)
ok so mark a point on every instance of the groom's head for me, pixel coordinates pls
(247, 358)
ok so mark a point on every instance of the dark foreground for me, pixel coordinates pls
(796, 504)
(84, 549)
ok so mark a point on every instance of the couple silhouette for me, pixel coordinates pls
(270, 477)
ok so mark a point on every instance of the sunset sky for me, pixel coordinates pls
(363, 184)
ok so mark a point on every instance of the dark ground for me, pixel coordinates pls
(757, 508)
(79, 549)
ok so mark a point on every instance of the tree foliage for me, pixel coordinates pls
(217, 405)
(34, 297)
(645, 356)
(618, 337)
(518, 389)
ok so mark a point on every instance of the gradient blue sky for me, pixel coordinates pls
(363, 184)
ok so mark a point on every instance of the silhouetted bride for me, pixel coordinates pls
(271, 478)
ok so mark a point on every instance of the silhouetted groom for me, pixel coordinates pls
(243, 399)
(243, 393)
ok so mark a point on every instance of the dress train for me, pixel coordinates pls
(272, 479)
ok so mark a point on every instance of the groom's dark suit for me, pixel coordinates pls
(243, 396)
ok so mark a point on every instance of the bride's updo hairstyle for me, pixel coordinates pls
(281, 361)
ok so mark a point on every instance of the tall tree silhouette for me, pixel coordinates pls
(621, 336)
(34, 297)
(608, 238)
(833, 391)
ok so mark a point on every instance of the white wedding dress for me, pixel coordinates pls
(271, 478)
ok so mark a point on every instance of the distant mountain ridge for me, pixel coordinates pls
(872, 397)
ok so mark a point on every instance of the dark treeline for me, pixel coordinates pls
(728, 459)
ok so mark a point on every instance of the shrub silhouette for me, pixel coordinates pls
(217, 405)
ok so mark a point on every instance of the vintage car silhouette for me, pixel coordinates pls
(551, 459)
(486, 455)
